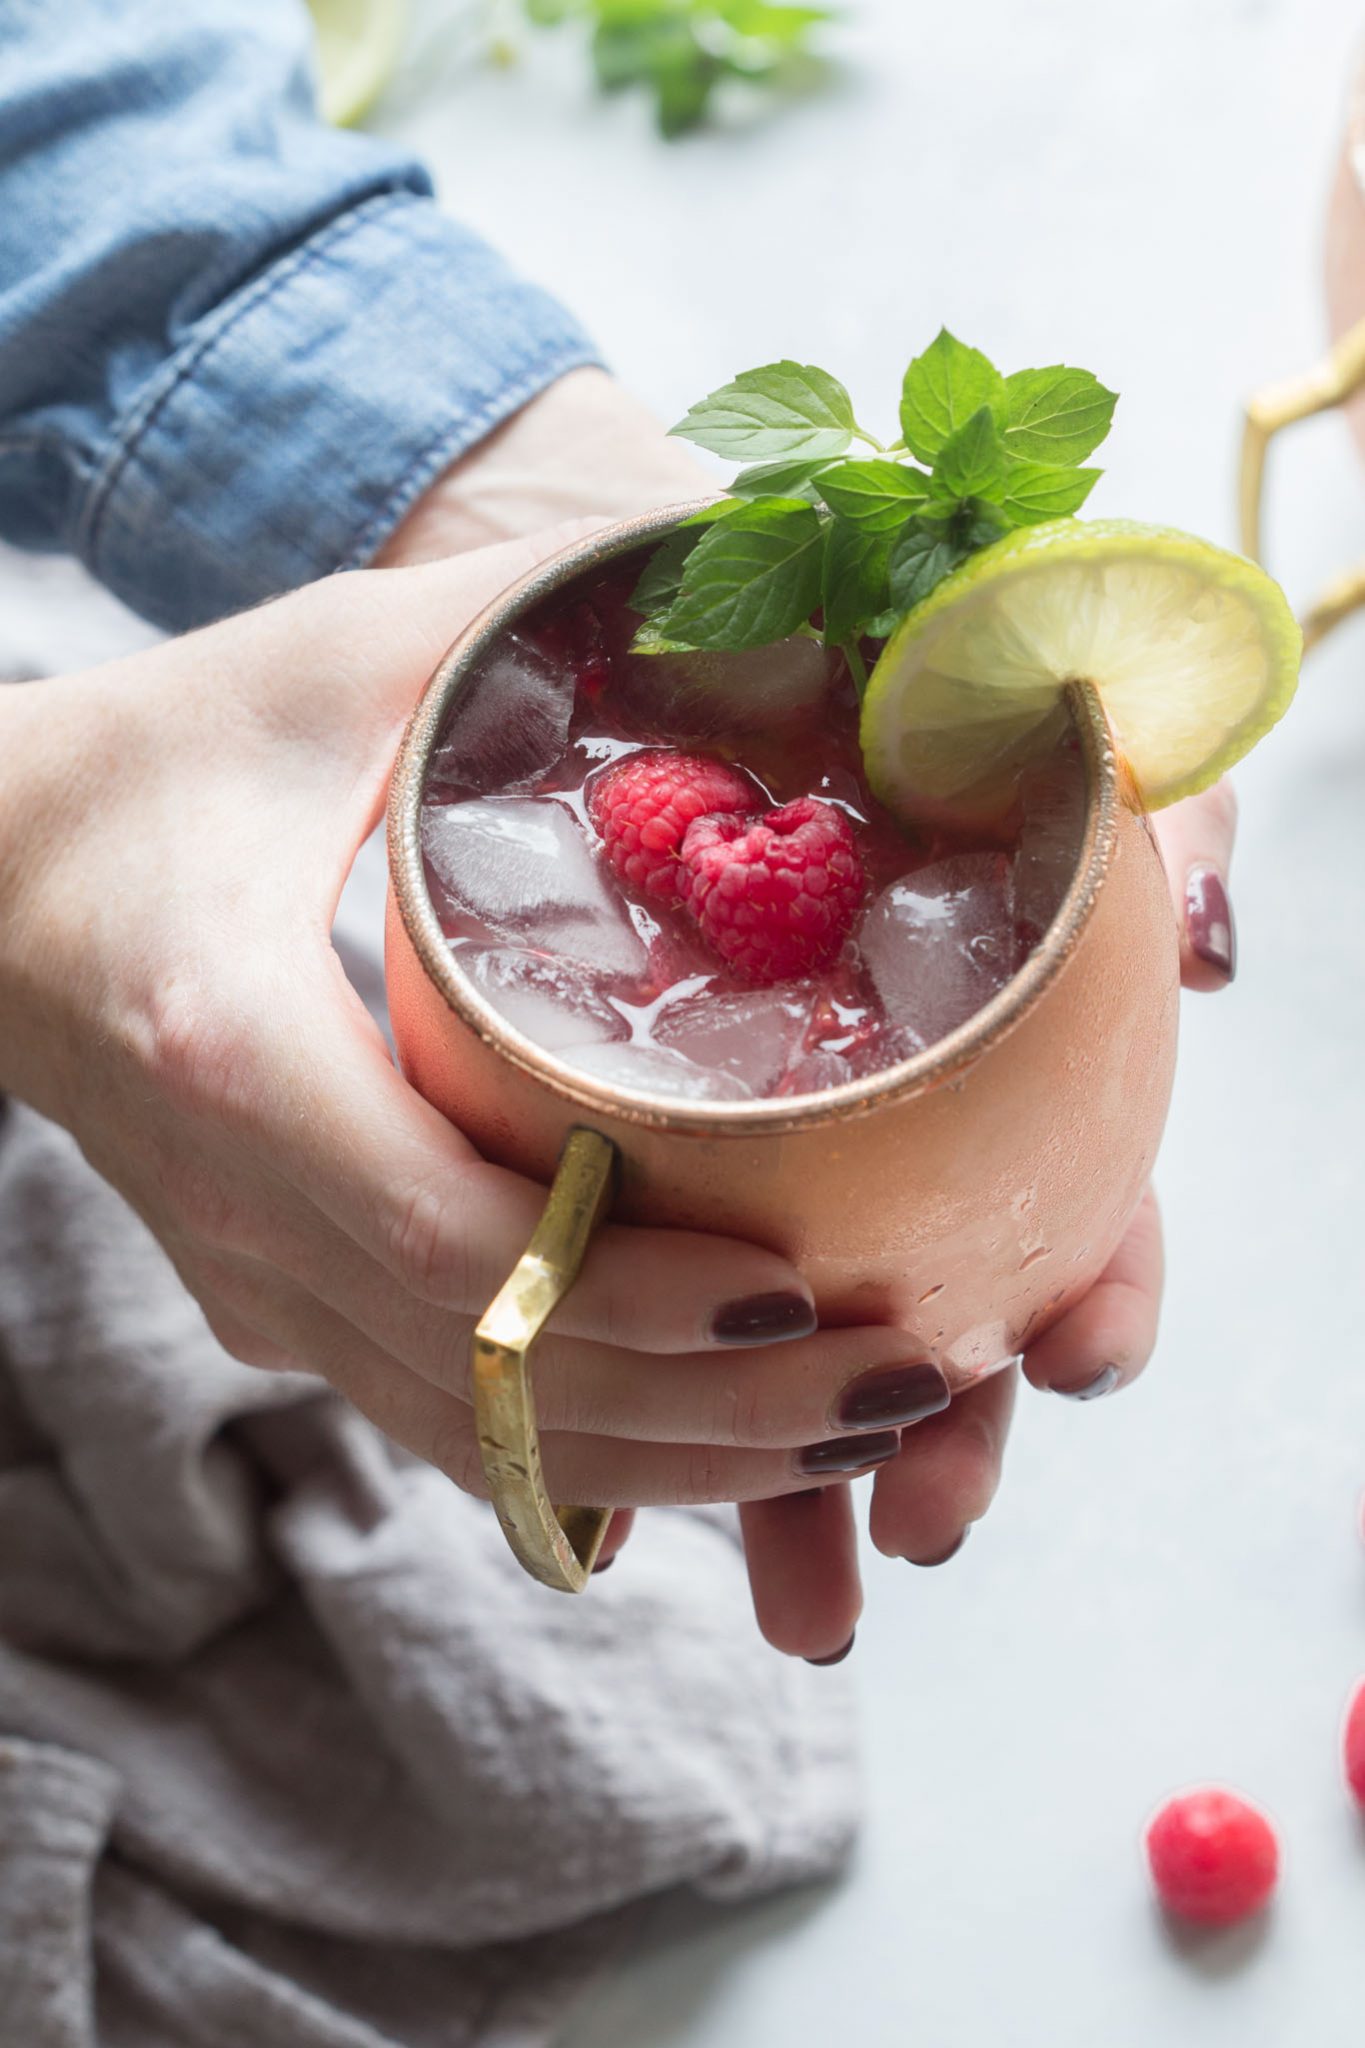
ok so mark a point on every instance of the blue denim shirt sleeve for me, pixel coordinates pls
(236, 345)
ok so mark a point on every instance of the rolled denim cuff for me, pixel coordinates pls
(312, 409)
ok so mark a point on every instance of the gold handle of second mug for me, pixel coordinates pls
(1330, 383)
(557, 1545)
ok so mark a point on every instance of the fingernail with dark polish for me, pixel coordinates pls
(604, 1564)
(892, 1397)
(926, 1564)
(845, 1454)
(763, 1319)
(838, 1657)
(1208, 918)
(1104, 1382)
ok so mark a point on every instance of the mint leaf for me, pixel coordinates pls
(661, 578)
(920, 559)
(723, 508)
(877, 495)
(942, 389)
(784, 408)
(753, 578)
(1056, 415)
(854, 585)
(627, 52)
(1038, 490)
(978, 522)
(767, 18)
(794, 479)
(683, 85)
(649, 640)
(971, 462)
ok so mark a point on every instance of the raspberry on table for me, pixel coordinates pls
(643, 806)
(775, 896)
(1213, 1856)
(1353, 1744)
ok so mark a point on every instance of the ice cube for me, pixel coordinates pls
(885, 1048)
(813, 1072)
(940, 942)
(703, 695)
(754, 1034)
(552, 1001)
(653, 1071)
(509, 723)
(523, 870)
(1053, 798)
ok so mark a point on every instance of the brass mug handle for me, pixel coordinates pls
(1330, 383)
(557, 1545)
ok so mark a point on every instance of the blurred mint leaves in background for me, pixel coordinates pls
(681, 50)
(863, 537)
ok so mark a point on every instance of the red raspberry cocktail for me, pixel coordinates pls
(670, 871)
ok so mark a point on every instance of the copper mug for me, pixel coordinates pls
(1336, 381)
(968, 1195)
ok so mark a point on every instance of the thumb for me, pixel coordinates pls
(375, 635)
(330, 675)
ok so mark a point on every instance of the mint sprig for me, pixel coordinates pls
(786, 410)
(681, 50)
(864, 534)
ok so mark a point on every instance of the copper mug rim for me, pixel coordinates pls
(927, 1070)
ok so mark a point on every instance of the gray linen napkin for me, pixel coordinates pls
(298, 1755)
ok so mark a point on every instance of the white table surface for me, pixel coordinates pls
(1171, 1586)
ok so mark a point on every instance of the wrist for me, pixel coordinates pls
(583, 448)
(30, 831)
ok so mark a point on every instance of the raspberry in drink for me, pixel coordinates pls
(670, 871)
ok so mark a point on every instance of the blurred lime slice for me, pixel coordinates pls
(358, 48)
(1192, 650)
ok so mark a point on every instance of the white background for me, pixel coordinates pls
(1171, 1586)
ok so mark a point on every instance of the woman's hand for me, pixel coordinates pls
(175, 832)
(802, 1557)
